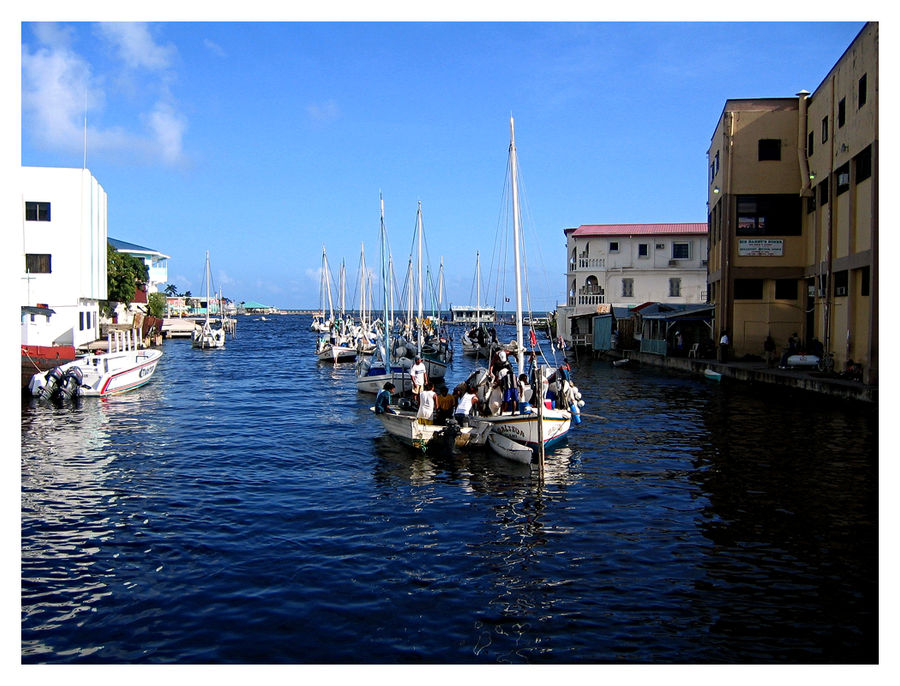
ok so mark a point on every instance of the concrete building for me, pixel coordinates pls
(625, 265)
(64, 238)
(793, 215)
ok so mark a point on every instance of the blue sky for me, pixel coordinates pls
(262, 141)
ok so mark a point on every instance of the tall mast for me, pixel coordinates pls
(419, 277)
(207, 287)
(520, 356)
(384, 287)
(477, 288)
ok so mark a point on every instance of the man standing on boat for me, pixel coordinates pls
(419, 375)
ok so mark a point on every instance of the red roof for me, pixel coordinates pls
(638, 229)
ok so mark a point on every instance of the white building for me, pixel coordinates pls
(64, 238)
(157, 264)
(625, 265)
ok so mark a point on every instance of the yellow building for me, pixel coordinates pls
(793, 215)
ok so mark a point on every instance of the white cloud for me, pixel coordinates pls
(214, 48)
(323, 112)
(135, 46)
(58, 85)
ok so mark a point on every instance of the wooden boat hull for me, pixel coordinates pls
(523, 428)
(42, 358)
(510, 449)
(406, 427)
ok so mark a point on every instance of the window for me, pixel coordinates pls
(863, 164)
(842, 112)
(716, 173)
(769, 215)
(37, 211)
(864, 281)
(810, 139)
(627, 288)
(614, 246)
(842, 176)
(81, 321)
(811, 203)
(88, 318)
(748, 289)
(823, 192)
(681, 251)
(785, 289)
(825, 130)
(660, 246)
(769, 149)
(674, 288)
(862, 91)
(643, 249)
(840, 283)
(37, 264)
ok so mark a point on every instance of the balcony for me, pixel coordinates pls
(591, 263)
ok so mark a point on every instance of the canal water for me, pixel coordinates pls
(246, 507)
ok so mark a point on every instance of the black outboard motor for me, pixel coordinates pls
(52, 380)
(71, 385)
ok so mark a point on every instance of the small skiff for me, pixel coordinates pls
(510, 449)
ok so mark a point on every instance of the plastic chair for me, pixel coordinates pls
(694, 350)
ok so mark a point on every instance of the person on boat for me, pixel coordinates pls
(525, 391)
(419, 375)
(383, 399)
(427, 403)
(494, 400)
(444, 404)
(464, 407)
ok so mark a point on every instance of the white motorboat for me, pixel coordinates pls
(419, 433)
(124, 368)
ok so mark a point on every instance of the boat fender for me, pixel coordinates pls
(576, 413)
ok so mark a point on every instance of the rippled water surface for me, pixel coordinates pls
(245, 506)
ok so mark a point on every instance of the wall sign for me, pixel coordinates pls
(760, 247)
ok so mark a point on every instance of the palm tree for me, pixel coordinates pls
(171, 290)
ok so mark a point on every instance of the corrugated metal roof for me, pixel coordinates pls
(125, 246)
(640, 229)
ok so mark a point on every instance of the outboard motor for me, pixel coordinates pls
(52, 380)
(71, 385)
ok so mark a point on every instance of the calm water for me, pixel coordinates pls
(246, 507)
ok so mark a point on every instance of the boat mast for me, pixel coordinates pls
(207, 288)
(520, 352)
(384, 288)
(477, 289)
(419, 277)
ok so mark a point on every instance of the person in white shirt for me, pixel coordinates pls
(419, 376)
(464, 407)
(426, 403)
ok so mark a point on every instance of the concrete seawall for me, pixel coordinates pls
(756, 372)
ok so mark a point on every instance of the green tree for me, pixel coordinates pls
(156, 305)
(171, 290)
(124, 273)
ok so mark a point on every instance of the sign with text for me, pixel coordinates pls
(760, 247)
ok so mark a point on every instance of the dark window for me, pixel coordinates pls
(627, 288)
(716, 172)
(785, 289)
(748, 289)
(862, 91)
(614, 246)
(811, 202)
(37, 264)
(863, 164)
(823, 192)
(842, 176)
(840, 283)
(864, 281)
(37, 211)
(825, 130)
(660, 246)
(769, 215)
(81, 321)
(681, 251)
(643, 249)
(674, 288)
(769, 149)
(809, 144)
(842, 112)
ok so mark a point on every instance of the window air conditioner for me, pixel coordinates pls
(844, 179)
(673, 263)
(840, 290)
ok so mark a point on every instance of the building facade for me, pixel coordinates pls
(625, 265)
(793, 215)
(64, 238)
(157, 264)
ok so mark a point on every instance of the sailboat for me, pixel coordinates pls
(373, 372)
(332, 347)
(205, 336)
(531, 426)
(478, 340)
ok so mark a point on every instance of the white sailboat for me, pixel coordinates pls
(477, 340)
(332, 346)
(205, 336)
(373, 372)
(530, 427)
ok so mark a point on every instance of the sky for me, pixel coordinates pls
(263, 141)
